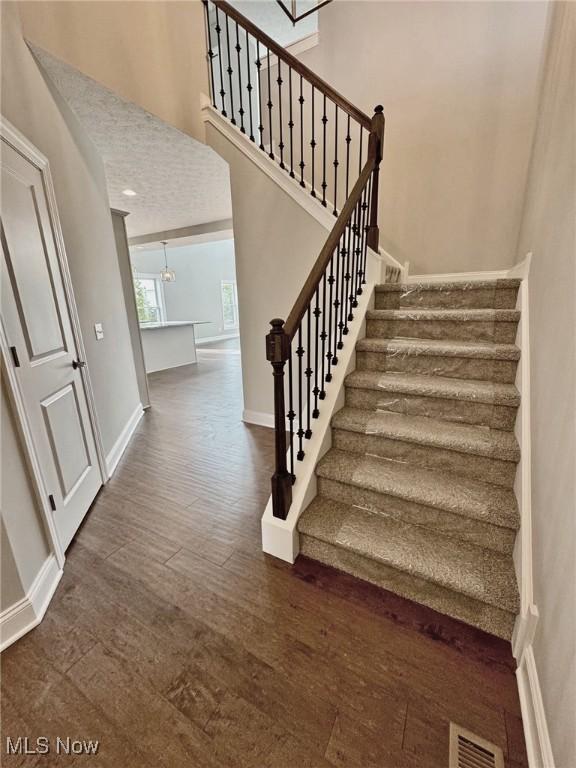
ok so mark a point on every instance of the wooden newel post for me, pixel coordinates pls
(277, 352)
(375, 148)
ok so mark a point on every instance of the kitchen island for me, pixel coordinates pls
(169, 344)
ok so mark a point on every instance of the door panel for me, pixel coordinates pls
(37, 322)
(65, 430)
(31, 276)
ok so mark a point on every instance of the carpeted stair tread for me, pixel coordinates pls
(445, 601)
(413, 347)
(481, 574)
(457, 494)
(458, 315)
(465, 438)
(450, 285)
(436, 386)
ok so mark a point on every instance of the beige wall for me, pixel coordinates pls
(549, 231)
(30, 105)
(275, 251)
(150, 53)
(458, 81)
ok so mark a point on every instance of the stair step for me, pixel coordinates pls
(493, 325)
(473, 451)
(459, 400)
(424, 487)
(495, 294)
(454, 359)
(467, 582)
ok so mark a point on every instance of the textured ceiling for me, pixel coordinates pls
(179, 181)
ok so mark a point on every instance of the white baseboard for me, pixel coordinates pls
(24, 615)
(259, 418)
(538, 745)
(119, 446)
(223, 337)
(458, 277)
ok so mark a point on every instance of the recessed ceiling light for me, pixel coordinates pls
(129, 192)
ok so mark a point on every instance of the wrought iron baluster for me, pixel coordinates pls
(336, 306)
(270, 105)
(302, 163)
(218, 29)
(349, 277)
(348, 140)
(353, 262)
(260, 111)
(343, 286)
(308, 372)
(281, 144)
(324, 184)
(300, 433)
(316, 390)
(241, 110)
(323, 337)
(329, 345)
(291, 123)
(313, 145)
(357, 252)
(230, 71)
(365, 228)
(210, 52)
(336, 163)
(291, 414)
(249, 87)
(360, 151)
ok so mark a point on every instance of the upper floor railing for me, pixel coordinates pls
(332, 149)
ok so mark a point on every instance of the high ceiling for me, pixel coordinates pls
(179, 181)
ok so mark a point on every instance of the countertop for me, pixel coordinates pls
(170, 324)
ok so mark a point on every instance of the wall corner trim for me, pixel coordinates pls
(24, 615)
(538, 744)
(115, 454)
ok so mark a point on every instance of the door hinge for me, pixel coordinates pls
(52, 503)
(15, 357)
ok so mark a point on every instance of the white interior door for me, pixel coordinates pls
(38, 327)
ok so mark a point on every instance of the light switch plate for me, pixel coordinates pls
(99, 331)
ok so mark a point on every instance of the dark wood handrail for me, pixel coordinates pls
(293, 62)
(307, 345)
(307, 293)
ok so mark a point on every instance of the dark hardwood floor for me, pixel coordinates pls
(175, 642)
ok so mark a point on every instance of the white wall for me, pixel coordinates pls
(200, 269)
(33, 108)
(549, 231)
(277, 243)
(458, 81)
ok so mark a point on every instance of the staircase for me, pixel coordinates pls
(416, 494)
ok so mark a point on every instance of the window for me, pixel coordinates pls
(149, 298)
(229, 304)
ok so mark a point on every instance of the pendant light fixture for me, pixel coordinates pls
(167, 275)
